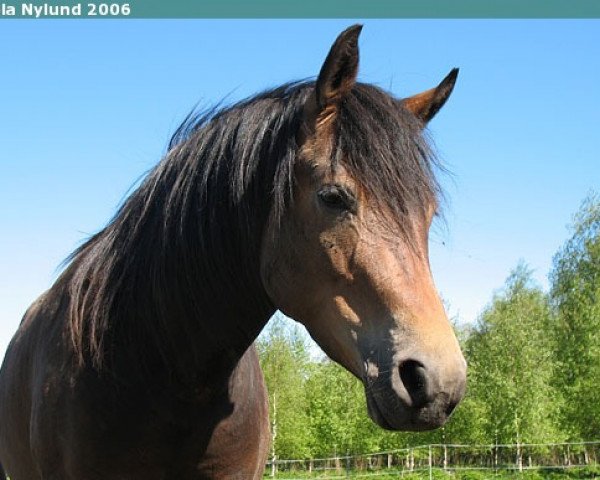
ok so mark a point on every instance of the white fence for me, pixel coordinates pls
(449, 458)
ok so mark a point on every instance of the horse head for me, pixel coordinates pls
(349, 258)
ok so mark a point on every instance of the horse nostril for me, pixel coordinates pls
(414, 377)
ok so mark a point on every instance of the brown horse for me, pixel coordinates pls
(314, 198)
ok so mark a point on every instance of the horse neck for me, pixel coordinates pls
(208, 313)
(186, 300)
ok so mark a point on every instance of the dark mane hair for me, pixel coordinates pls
(187, 240)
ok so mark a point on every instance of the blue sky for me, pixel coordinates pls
(88, 106)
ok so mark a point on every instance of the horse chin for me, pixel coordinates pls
(405, 418)
(376, 414)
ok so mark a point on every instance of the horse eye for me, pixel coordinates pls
(336, 197)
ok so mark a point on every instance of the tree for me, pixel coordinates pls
(338, 418)
(284, 357)
(511, 364)
(576, 297)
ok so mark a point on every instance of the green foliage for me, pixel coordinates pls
(576, 296)
(467, 423)
(511, 369)
(338, 414)
(284, 357)
(473, 475)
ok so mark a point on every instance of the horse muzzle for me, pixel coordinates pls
(414, 394)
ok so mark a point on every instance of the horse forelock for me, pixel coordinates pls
(386, 150)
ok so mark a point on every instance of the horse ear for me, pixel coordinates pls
(338, 73)
(426, 104)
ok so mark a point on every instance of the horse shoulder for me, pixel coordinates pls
(240, 443)
(25, 380)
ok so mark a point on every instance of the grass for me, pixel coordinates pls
(588, 473)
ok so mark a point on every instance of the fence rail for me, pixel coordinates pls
(449, 458)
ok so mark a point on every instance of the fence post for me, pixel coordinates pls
(519, 454)
(336, 460)
(430, 465)
(445, 463)
(274, 437)
(496, 453)
(445, 457)
(347, 464)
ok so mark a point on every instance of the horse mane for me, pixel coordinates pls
(182, 252)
